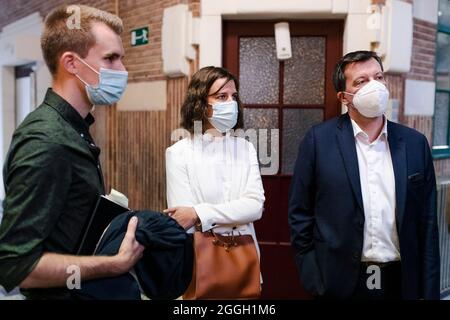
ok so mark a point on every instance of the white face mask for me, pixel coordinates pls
(371, 100)
(224, 116)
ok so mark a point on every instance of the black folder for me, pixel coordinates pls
(104, 212)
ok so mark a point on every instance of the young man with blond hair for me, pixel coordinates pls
(52, 173)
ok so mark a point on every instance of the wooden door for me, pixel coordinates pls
(290, 96)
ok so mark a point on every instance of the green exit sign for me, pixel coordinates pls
(139, 36)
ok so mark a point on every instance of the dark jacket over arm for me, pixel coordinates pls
(165, 270)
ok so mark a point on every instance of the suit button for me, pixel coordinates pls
(356, 255)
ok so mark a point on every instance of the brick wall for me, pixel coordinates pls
(424, 51)
(144, 63)
(132, 143)
(136, 155)
(12, 10)
(422, 68)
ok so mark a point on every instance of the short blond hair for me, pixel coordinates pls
(59, 36)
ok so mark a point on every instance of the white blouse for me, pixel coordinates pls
(220, 178)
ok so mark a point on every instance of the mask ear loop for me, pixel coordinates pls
(86, 64)
(84, 82)
(345, 92)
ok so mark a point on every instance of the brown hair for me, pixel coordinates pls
(356, 56)
(196, 102)
(59, 36)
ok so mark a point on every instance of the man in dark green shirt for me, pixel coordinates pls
(52, 173)
(52, 177)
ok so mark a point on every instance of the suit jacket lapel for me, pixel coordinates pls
(397, 148)
(346, 142)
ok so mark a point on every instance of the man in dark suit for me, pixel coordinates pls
(362, 204)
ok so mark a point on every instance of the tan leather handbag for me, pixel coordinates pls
(225, 267)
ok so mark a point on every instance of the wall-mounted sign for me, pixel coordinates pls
(139, 36)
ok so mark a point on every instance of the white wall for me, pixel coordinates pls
(43, 81)
(7, 102)
(355, 12)
(426, 10)
(23, 98)
(419, 98)
(19, 44)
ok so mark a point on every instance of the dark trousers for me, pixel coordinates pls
(389, 286)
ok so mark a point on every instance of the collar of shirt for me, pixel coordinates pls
(69, 113)
(358, 132)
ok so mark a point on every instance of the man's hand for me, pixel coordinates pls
(185, 216)
(52, 268)
(130, 250)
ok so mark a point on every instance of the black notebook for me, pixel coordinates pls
(104, 212)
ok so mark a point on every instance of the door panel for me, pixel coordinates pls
(304, 81)
(290, 96)
(274, 270)
(257, 60)
(296, 123)
(266, 232)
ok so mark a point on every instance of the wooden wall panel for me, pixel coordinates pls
(140, 158)
(133, 151)
(104, 132)
(176, 91)
(132, 143)
(133, 148)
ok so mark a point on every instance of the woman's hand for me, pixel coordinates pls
(185, 216)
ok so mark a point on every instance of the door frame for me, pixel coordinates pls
(19, 45)
(276, 230)
(261, 28)
(208, 32)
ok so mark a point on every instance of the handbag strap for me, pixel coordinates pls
(219, 242)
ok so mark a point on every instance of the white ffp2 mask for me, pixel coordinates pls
(372, 99)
